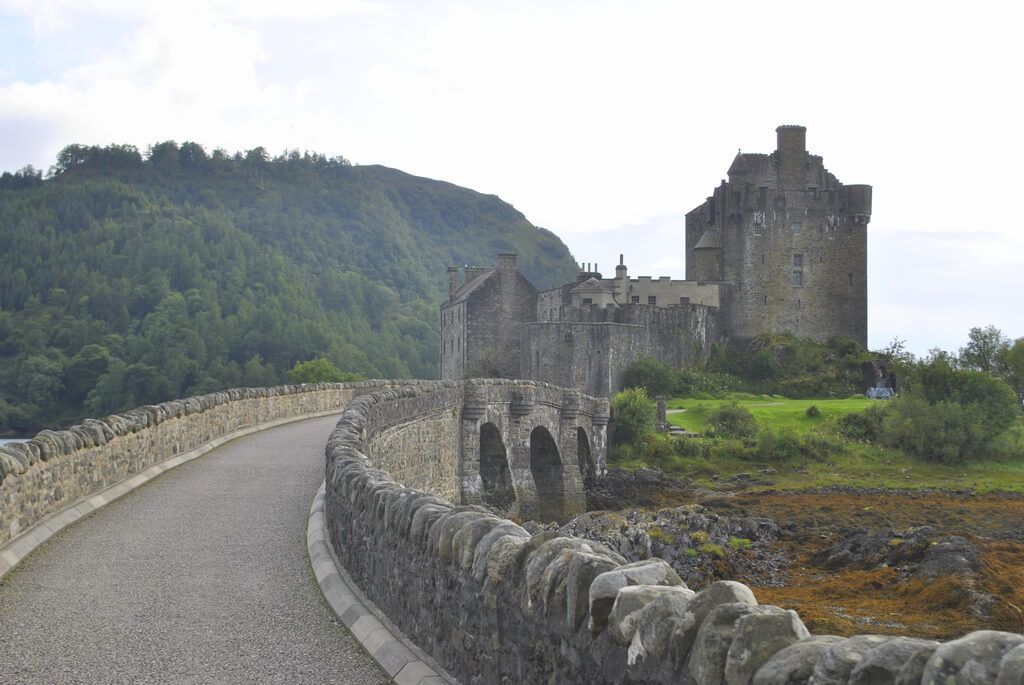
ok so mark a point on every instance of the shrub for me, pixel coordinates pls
(689, 448)
(633, 415)
(319, 370)
(863, 426)
(732, 420)
(944, 431)
(778, 446)
(658, 535)
(817, 447)
(658, 450)
(813, 412)
(691, 552)
(658, 378)
(699, 537)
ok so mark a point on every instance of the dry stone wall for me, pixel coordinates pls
(494, 604)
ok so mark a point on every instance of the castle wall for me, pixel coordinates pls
(590, 356)
(591, 348)
(453, 341)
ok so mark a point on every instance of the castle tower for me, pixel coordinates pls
(792, 244)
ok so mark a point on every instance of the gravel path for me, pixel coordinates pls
(200, 576)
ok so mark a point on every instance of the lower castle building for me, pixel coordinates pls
(781, 246)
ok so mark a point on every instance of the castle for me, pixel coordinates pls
(781, 246)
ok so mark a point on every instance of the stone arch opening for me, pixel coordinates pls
(585, 457)
(494, 472)
(546, 467)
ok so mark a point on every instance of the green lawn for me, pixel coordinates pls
(860, 465)
(770, 411)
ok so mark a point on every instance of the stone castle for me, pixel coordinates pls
(780, 247)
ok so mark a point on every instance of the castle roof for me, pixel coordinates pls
(467, 289)
(747, 162)
(591, 285)
(709, 241)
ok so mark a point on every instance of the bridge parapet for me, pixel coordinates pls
(57, 469)
(494, 604)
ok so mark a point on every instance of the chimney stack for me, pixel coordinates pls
(791, 155)
(453, 281)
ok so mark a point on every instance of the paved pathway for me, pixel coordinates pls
(198, 577)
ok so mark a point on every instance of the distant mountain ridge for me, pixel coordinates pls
(130, 279)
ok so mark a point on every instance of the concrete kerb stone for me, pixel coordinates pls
(28, 540)
(402, 660)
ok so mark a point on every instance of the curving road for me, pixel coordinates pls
(200, 576)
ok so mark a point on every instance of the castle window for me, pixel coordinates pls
(762, 198)
(798, 278)
(795, 228)
(849, 280)
(762, 257)
(588, 300)
(766, 299)
(634, 299)
(798, 261)
(651, 299)
(780, 202)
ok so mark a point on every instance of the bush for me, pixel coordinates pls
(319, 371)
(689, 448)
(778, 446)
(813, 412)
(732, 420)
(633, 416)
(863, 426)
(944, 431)
(658, 378)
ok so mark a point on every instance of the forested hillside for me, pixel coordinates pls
(129, 279)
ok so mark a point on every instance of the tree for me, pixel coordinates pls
(983, 349)
(1011, 358)
(319, 370)
(633, 415)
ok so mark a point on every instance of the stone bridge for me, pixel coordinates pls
(527, 450)
(196, 577)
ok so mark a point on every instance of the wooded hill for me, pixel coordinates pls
(129, 279)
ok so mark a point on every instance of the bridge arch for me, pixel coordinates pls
(546, 468)
(495, 476)
(584, 455)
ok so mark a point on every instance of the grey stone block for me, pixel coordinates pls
(759, 635)
(883, 664)
(794, 665)
(838, 661)
(971, 660)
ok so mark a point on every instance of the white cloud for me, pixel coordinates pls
(604, 122)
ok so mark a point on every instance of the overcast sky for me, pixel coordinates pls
(602, 121)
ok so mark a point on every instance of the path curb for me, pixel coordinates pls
(20, 547)
(404, 662)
